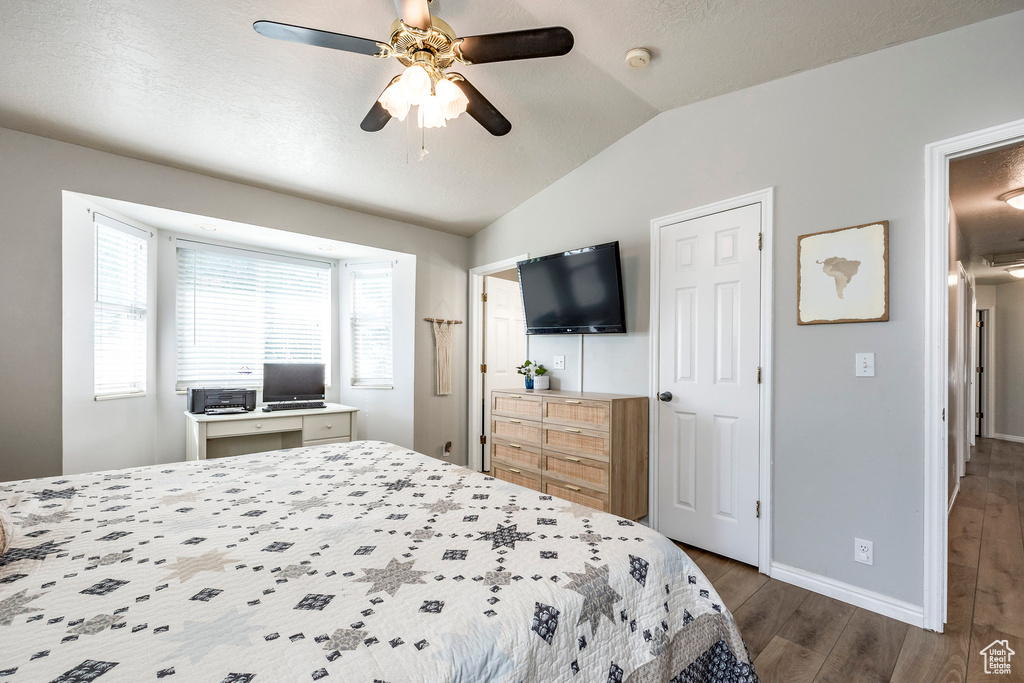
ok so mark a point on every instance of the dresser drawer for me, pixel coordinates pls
(576, 494)
(515, 475)
(330, 426)
(515, 455)
(576, 441)
(514, 430)
(574, 470)
(255, 426)
(525, 406)
(578, 412)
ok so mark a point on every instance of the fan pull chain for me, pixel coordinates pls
(423, 144)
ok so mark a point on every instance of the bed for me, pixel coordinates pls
(349, 562)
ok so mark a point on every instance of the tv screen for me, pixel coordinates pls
(575, 292)
(293, 382)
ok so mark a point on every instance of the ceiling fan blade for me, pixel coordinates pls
(554, 41)
(313, 36)
(414, 13)
(486, 114)
(376, 118)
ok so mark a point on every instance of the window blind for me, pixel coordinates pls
(237, 310)
(119, 308)
(371, 326)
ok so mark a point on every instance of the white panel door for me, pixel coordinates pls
(504, 344)
(708, 441)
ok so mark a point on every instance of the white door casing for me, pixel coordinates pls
(709, 339)
(504, 343)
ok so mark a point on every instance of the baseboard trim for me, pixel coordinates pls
(844, 592)
(1009, 437)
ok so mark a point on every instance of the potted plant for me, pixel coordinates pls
(534, 374)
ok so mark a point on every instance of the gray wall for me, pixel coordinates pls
(843, 145)
(34, 171)
(1009, 365)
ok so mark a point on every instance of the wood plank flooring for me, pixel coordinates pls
(796, 636)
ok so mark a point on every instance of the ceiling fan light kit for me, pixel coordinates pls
(427, 47)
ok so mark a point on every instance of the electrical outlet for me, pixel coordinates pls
(559, 363)
(863, 551)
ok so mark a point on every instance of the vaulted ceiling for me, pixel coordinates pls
(190, 84)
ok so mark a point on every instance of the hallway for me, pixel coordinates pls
(795, 635)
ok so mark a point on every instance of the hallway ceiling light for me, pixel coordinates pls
(1014, 198)
(1016, 271)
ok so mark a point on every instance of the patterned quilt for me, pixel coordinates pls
(351, 562)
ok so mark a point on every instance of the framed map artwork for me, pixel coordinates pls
(843, 275)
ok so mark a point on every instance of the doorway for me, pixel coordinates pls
(493, 275)
(940, 407)
(711, 321)
(504, 336)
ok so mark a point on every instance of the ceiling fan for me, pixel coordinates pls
(427, 47)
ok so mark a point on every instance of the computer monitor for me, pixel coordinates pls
(293, 382)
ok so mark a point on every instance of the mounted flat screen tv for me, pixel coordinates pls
(575, 292)
(293, 382)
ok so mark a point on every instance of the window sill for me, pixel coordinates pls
(114, 397)
(372, 386)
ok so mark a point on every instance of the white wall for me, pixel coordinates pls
(843, 145)
(33, 173)
(985, 296)
(1009, 331)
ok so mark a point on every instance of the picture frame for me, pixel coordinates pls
(843, 275)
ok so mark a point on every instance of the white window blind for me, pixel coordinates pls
(237, 309)
(371, 325)
(119, 309)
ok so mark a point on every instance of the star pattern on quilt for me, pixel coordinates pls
(441, 507)
(15, 605)
(186, 568)
(599, 597)
(506, 536)
(390, 578)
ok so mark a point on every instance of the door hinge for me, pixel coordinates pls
(759, 509)
(943, 414)
(759, 375)
(981, 369)
(981, 323)
(483, 367)
(760, 243)
(483, 440)
(979, 415)
(483, 297)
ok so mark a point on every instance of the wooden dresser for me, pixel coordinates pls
(586, 448)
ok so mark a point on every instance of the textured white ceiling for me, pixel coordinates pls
(989, 226)
(190, 84)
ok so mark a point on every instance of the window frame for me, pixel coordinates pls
(354, 271)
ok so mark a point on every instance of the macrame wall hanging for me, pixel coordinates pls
(444, 334)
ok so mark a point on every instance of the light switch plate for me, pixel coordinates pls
(559, 363)
(865, 365)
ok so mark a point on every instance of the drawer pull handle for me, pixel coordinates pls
(574, 402)
(330, 426)
(511, 469)
(514, 445)
(514, 396)
(572, 459)
(572, 488)
(516, 421)
(573, 431)
(259, 425)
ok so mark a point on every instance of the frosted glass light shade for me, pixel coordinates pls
(395, 100)
(431, 114)
(453, 100)
(417, 84)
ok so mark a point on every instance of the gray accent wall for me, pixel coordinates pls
(842, 145)
(33, 173)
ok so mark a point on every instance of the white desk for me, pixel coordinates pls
(217, 436)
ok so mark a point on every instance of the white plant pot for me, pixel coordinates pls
(541, 382)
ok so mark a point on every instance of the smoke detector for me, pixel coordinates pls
(638, 57)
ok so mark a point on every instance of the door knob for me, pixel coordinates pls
(665, 396)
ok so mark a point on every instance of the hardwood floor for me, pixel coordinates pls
(795, 635)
